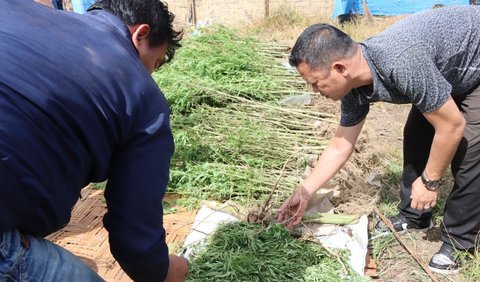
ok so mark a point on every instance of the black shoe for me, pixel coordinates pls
(401, 224)
(445, 261)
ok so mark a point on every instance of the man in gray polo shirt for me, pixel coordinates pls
(431, 60)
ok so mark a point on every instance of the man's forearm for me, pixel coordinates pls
(442, 152)
(449, 126)
(329, 163)
(334, 157)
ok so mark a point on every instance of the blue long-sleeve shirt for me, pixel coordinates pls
(77, 106)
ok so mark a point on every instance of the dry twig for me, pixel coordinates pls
(412, 253)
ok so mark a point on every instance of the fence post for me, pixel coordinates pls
(267, 8)
(192, 15)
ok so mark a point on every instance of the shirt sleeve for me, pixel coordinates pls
(416, 75)
(134, 193)
(353, 110)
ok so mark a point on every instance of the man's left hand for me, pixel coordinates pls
(422, 198)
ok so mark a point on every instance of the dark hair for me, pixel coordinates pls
(152, 12)
(321, 44)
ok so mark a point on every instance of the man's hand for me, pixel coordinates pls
(422, 198)
(177, 270)
(292, 210)
(47, 3)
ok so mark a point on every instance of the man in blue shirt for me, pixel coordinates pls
(85, 113)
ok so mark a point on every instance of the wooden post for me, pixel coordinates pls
(193, 12)
(267, 8)
(366, 12)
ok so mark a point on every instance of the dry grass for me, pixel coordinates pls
(286, 25)
(362, 28)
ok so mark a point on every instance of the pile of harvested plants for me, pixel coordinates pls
(250, 252)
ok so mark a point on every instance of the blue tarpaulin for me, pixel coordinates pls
(81, 6)
(391, 7)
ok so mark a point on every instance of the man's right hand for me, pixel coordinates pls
(292, 210)
(177, 269)
(47, 3)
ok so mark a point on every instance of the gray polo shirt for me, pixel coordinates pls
(421, 59)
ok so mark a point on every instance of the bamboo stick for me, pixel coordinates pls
(410, 251)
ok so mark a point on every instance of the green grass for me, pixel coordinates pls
(389, 193)
(471, 271)
(99, 185)
(381, 244)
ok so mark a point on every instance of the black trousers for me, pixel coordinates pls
(461, 219)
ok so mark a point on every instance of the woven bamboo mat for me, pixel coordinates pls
(85, 236)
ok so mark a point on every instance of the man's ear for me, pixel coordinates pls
(341, 68)
(140, 34)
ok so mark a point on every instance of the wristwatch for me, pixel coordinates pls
(430, 184)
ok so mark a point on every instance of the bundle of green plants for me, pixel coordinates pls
(257, 135)
(233, 140)
(220, 182)
(220, 59)
(250, 252)
(240, 151)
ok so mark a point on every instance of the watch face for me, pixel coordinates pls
(432, 185)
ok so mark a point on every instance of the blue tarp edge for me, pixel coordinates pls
(390, 8)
